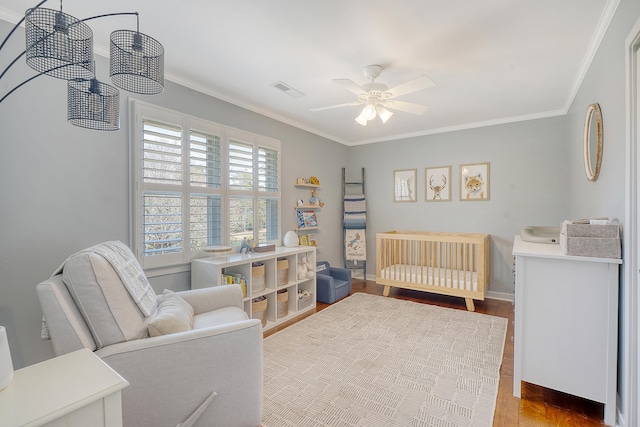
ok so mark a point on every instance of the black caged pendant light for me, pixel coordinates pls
(61, 46)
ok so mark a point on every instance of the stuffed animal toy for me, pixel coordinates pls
(313, 180)
(247, 246)
(305, 269)
(315, 200)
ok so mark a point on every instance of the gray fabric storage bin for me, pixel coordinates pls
(591, 240)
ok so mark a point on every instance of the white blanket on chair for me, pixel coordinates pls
(128, 269)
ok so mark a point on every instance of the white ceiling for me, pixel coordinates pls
(493, 61)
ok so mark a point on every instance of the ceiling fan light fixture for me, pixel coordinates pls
(361, 120)
(383, 113)
(369, 112)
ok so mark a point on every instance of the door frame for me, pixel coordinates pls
(631, 280)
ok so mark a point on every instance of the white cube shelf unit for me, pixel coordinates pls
(207, 272)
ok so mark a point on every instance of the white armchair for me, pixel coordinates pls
(210, 375)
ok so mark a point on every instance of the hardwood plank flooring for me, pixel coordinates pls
(539, 407)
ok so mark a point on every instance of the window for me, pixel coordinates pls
(196, 183)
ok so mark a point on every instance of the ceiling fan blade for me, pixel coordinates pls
(348, 104)
(407, 107)
(419, 83)
(351, 86)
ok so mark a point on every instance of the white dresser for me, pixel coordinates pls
(566, 323)
(76, 389)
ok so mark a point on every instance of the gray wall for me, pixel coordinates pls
(528, 185)
(605, 83)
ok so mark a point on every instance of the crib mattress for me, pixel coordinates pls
(434, 276)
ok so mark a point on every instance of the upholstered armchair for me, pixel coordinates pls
(332, 283)
(195, 360)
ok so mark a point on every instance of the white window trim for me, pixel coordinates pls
(175, 263)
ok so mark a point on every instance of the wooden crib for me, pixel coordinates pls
(445, 263)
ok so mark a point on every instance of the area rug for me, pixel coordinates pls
(379, 362)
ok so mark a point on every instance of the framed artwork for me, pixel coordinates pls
(474, 182)
(437, 184)
(404, 185)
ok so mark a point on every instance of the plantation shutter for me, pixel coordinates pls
(268, 182)
(205, 219)
(240, 166)
(162, 183)
(196, 183)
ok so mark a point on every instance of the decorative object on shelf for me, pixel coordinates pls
(290, 239)
(404, 185)
(300, 202)
(264, 247)
(61, 46)
(305, 269)
(216, 249)
(304, 294)
(474, 182)
(437, 184)
(314, 180)
(247, 246)
(315, 199)
(301, 181)
(6, 365)
(593, 141)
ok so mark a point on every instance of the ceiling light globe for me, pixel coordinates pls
(369, 112)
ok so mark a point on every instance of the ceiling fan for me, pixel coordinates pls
(378, 99)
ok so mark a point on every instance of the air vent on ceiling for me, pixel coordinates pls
(294, 93)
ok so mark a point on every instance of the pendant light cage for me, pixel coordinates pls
(93, 105)
(137, 62)
(59, 45)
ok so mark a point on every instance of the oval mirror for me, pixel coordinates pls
(593, 141)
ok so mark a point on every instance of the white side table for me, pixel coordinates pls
(76, 389)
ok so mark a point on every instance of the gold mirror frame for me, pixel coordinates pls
(593, 140)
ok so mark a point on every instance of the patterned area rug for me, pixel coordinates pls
(379, 362)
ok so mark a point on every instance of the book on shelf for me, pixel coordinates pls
(312, 239)
(235, 279)
(304, 240)
(300, 219)
(310, 219)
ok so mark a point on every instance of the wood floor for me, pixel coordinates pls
(538, 407)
